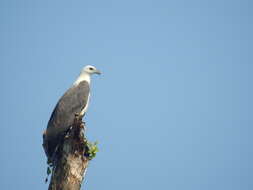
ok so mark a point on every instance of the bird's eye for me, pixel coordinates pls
(91, 68)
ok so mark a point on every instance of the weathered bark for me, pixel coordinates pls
(71, 164)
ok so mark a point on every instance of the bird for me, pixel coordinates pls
(74, 101)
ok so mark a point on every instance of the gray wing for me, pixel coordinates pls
(73, 101)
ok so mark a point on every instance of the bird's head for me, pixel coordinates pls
(90, 70)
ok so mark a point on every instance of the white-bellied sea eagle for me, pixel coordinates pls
(75, 100)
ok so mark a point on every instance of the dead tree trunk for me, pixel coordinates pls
(71, 164)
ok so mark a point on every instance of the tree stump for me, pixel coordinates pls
(71, 164)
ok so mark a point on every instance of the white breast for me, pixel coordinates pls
(86, 106)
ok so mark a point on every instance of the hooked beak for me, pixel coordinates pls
(97, 72)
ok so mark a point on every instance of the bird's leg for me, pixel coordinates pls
(68, 132)
(82, 113)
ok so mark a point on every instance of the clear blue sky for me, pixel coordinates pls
(172, 110)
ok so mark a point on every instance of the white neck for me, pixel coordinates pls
(82, 77)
